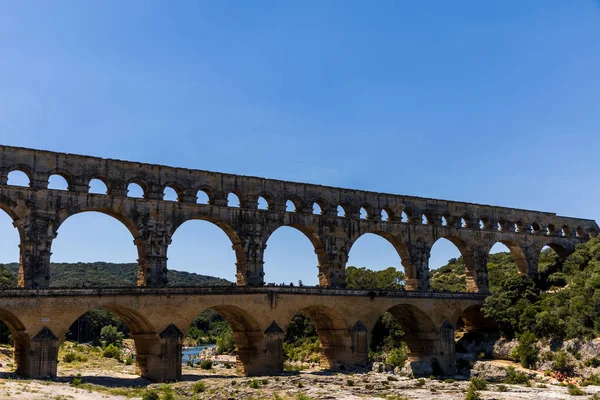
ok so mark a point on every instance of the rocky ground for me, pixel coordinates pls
(102, 378)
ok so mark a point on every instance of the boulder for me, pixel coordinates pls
(416, 369)
(502, 349)
(489, 372)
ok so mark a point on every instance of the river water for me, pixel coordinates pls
(193, 351)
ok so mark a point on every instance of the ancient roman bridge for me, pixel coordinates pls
(158, 317)
(411, 224)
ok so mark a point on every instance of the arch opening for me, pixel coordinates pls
(451, 265)
(290, 206)
(97, 186)
(110, 259)
(230, 333)
(9, 251)
(105, 335)
(404, 217)
(201, 254)
(58, 182)
(293, 252)
(314, 337)
(550, 267)
(170, 194)
(263, 204)
(202, 197)
(317, 209)
(505, 259)
(363, 213)
(402, 333)
(233, 200)
(14, 336)
(135, 190)
(374, 262)
(341, 211)
(17, 177)
(385, 215)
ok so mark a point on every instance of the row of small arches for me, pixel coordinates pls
(135, 190)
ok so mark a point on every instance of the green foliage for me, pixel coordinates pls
(206, 364)
(562, 363)
(225, 341)
(479, 383)
(516, 378)
(350, 382)
(97, 274)
(363, 278)
(8, 279)
(199, 387)
(526, 351)
(387, 334)
(110, 335)
(254, 384)
(300, 342)
(150, 394)
(398, 356)
(472, 393)
(593, 362)
(111, 351)
(72, 356)
(76, 382)
(575, 391)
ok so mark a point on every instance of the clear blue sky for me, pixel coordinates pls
(494, 102)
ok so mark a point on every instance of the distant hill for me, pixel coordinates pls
(110, 274)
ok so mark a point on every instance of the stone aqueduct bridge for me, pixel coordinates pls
(157, 317)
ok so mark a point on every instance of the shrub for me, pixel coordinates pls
(392, 378)
(150, 394)
(264, 381)
(526, 351)
(449, 380)
(76, 382)
(562, 363)
(592, 380)
(206, 364)
(420, 382)
(198, 387)
(129, 361)
(516, 378)
(472, 393)
(397, 356)
(575, 391)
(71, 356)
(254, 384)
(501, 388)
(479, 383)
(593, 362)
(111, 335)
(111, 351)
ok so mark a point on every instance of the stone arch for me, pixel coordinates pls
(142, 185)
(143, 333)
(518, 254)
(247, 334)
(398, 245)
(474, 321)
(236, 242)
(559, 248)
(20, 168)
(468, 257)
(21, 342)
(131, 226)
(63, 174)
(316, 241)
(332, 331)
(420, 332)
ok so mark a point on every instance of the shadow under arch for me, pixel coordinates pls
(323, 265)
(420, 332)
(560, 250)
(21, 342)
(332, 331)
(247, 334)
(474, 321)
(402, 250)
(236, 243)
(143, 333)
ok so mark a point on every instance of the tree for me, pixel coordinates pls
(363, 278)
(111, 336)
(7, 279)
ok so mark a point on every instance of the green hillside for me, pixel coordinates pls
(105, 274)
